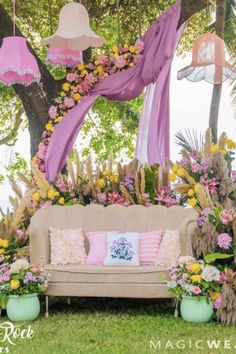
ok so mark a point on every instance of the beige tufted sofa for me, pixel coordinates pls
(106, 281)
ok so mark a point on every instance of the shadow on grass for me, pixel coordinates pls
(110, 305)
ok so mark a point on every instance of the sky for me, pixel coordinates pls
(190, 106)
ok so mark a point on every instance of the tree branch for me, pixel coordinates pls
(10, 139)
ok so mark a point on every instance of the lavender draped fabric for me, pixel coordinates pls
(159, 41)
(155, 115)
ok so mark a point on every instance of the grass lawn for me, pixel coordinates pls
(114, 326)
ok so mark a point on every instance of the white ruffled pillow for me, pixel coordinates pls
(122, 249)
(67, 246)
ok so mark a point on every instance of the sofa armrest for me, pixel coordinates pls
(186, 232)
(39, 240)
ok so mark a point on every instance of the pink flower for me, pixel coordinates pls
(226, 217)
(196, 290)
(52, 112)
(120, 62)
(212, 186)
(19, 234)
(69, 102)
(47, 204)
(173, 277)
(139, 45)
(197, 168)
(116, 198)
(194, 155)
(217, 303)
(102, 198)
(71, 77)
(102, 59)
(6, 277)
(224, 241)
(42, 150)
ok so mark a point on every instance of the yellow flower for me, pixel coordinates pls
(36, 196)
(126, 46)
(84, 72)
(115, 49)
(96, 62)
(95, 72)
(5, 243)
(190, 192)
(230, 144)
(175, 168)
(76, 96)
(101, 182)
(81, 67)
(214, 148)
(196, 278)
(1, 242)
(61, 201)
(106, 172)
(66, 86)
(180, 172)
(14, 284)
(58, 119)
(100, 69)
(49, 127)
(223, 151)
(132, 49)
(215, 296)
(52, 193)
(131, 65)
(2, 250)
(192, 202)
(195, 268)
(114, 178)
(172, 177)
(197, 188)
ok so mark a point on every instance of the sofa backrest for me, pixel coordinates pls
(98, 218)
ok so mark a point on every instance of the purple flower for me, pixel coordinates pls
(120, 62)
(224, 241)
(102, 197)
(217, 303)
(129, 181)
(203, 217)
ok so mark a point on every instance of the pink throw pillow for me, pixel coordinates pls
(149, 246)
(169, 250)
(67, 246)
(97, 247)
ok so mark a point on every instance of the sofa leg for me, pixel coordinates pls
(47, 307)
(68, 301)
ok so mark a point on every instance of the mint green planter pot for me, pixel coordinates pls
(23, 308)
(196, 309)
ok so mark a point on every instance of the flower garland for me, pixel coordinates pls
(78, 84)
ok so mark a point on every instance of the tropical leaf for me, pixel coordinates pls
(190, 140)
(212, 257)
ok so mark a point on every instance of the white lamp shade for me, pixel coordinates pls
(74, 31)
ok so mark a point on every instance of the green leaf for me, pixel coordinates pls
(212, 257)
(151, 175)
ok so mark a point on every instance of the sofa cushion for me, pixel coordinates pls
(169, 250)
(67, 246)
(149, 246)
(106, 274)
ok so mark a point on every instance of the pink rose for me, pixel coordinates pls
(139, 45)
(217, 303)
(196, 290)
(52, 112)
(6, 278)
(120, 62)
(69, 102)
(71, 77)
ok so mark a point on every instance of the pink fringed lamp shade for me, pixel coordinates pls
(64, 57)
(17, 64)
(208, 61)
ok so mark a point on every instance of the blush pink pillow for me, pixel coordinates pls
(67, 246)
(169, 250)
(149, 246)
(97, 247)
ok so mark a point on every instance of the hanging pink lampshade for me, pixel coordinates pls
(208, 61)
(74, 31)
(17, 64)
(64, 57)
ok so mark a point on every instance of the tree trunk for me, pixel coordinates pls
(37, 98)
(217, 88)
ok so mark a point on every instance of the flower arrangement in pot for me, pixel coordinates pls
(20, 284)
(198, 286)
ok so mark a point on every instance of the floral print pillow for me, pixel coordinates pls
(122, 249)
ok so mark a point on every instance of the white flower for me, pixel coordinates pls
(18, 265)
(210, 273)
(185, 260)
(171, 284)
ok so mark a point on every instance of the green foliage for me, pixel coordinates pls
(213, 257)
(151, 178)
(18, 164)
